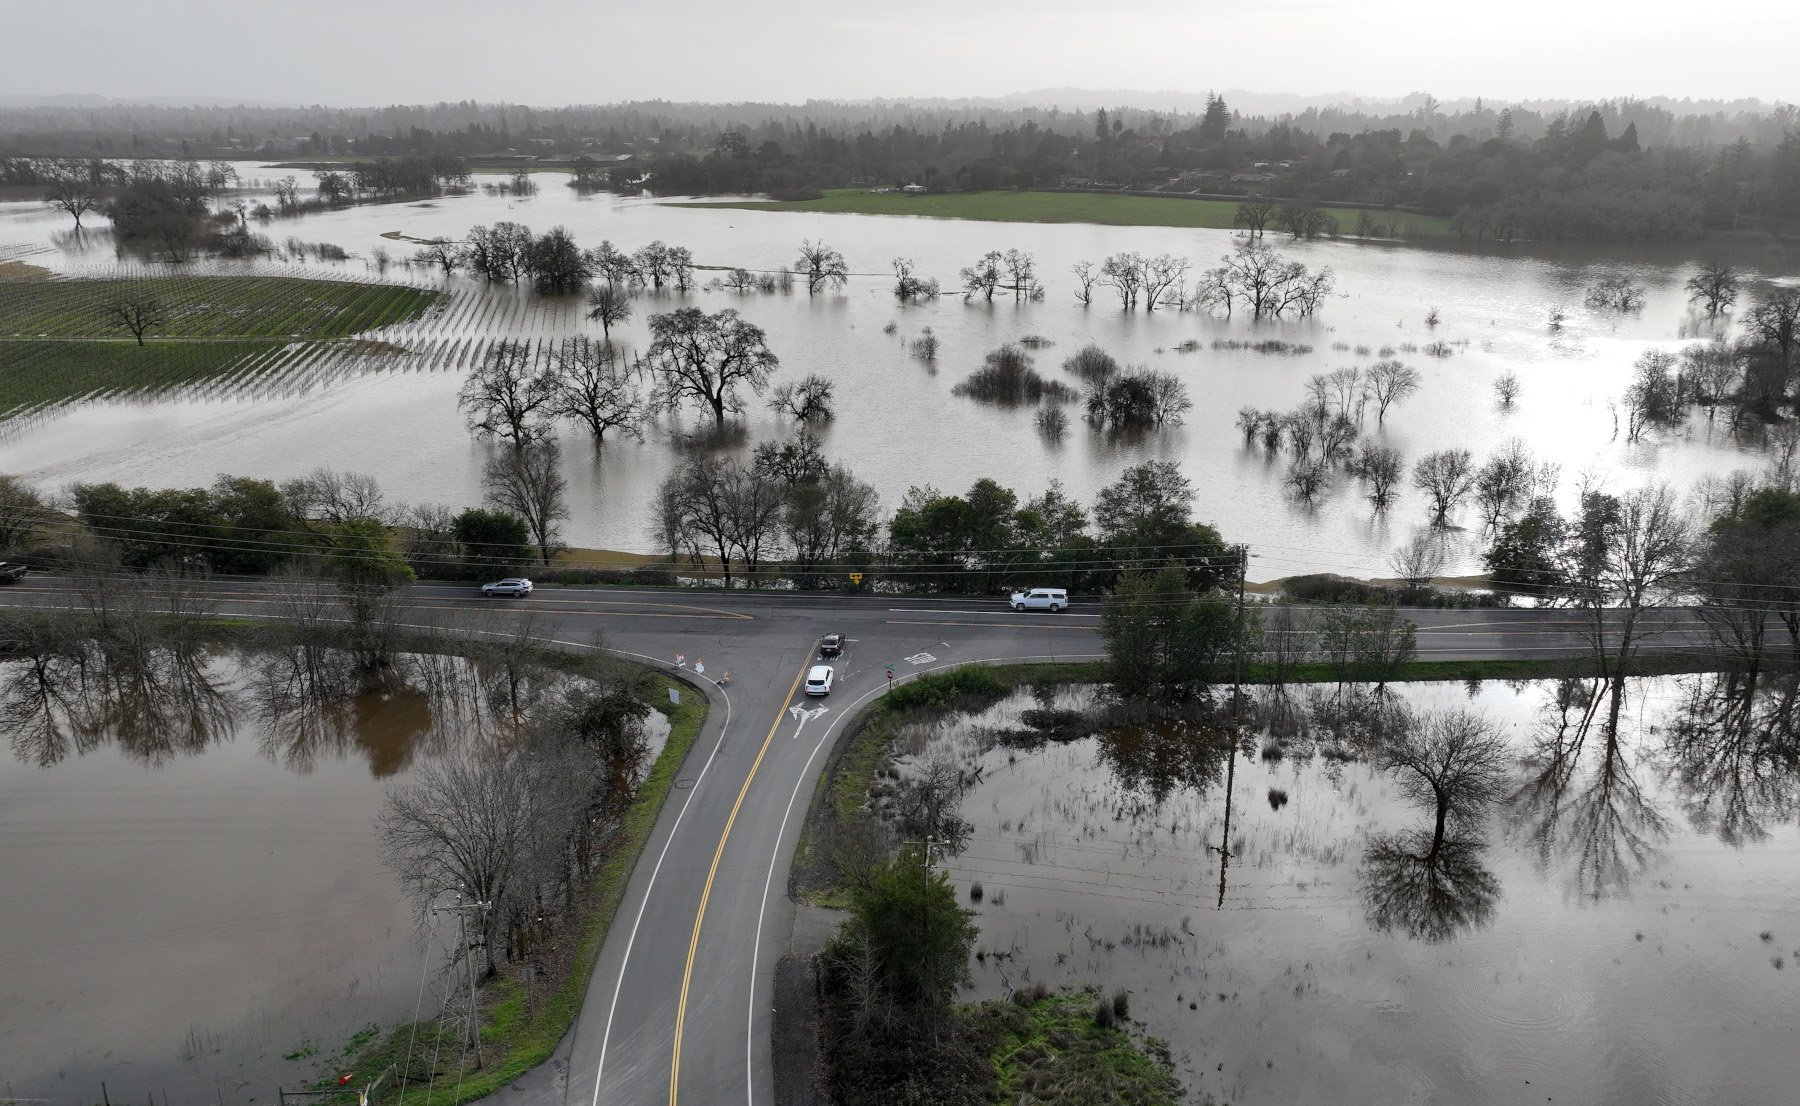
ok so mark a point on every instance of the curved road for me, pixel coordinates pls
(677, 1009)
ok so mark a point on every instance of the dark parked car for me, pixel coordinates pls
(10, 571)
(831, 645)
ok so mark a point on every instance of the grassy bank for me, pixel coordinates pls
(1059, 207)
(518, 1033)
(57, 341)
(1071, 1046)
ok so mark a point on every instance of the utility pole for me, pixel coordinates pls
(1237, 702)
(461, 910)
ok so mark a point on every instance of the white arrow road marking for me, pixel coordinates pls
(803, 716)
(920, 658)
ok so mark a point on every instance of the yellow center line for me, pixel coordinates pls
(687, 973)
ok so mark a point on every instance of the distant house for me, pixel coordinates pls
(1253, 178)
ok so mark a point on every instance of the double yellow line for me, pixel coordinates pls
(687, 974)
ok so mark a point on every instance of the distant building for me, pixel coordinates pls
(912, 189)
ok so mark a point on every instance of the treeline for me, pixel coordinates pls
(326, 521)
(786, 516)
(167, 206)
(1615, 170)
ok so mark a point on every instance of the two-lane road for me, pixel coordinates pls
(677, 1008)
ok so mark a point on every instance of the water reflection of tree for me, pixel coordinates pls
(1430, 883)
(316, 701)
(1735, 753)
(1428, 886)
(75, 696)
(1155, 759)
(1582, 799)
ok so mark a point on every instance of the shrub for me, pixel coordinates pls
(941, 690)
(1091, 363)
(1006, 376)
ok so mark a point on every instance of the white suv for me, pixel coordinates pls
(1040, 599)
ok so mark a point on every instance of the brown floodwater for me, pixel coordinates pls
(192, 898)
(1623, 928)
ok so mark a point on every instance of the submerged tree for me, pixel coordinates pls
(822, 267)
(509, 395)
(707, 359)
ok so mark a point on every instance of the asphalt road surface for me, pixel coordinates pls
(678, 1008)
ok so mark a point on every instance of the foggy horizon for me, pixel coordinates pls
(407, 52)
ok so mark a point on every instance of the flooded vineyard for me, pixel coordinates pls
(195, 902)
(385, 402)
(1618, 925)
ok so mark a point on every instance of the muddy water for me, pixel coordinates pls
(898, 423)
(1624, 931)
(192, 891)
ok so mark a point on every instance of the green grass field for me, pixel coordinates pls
(207, 307)
(1059, 207)
(58, 343)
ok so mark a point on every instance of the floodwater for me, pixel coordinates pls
(193, 892)
(1623, 928)
(898, 424)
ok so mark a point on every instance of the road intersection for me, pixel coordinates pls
(678, 1008)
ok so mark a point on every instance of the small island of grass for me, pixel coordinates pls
(1105, 209)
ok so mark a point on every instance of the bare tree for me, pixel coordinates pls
(1625, 551)
(509, 395)
(608, 304)
(1021, 275)
(805, 399)
(1378, 467)
(73, 195)
(707, 359)
(1506, 389)
(136, 314)
(822, 266)
(1447, 477)
(1504, 483)
(1125, 273)
(444, 254)
(724, 510)
(527, 481)
(22, 512)
(1774, 323)
(1254, 215)
(330, 496)
(907, 287)
(1390, 382)
(1456, 761)
(984, 277)
(1085, 277)
(598, 387)
(1162, 277)
(1715, 286)
(1417, 563)
(617, 267)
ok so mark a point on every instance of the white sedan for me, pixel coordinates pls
(512, 585)
(818, 681)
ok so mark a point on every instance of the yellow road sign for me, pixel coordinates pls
(856, 577)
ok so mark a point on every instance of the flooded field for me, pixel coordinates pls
(194, 902)
(1621, 926)
(390, 409)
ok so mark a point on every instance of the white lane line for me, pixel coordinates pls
(950, 610)
(781, 832)
(631, 942)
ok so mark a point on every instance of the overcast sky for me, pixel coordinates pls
(549, 52)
